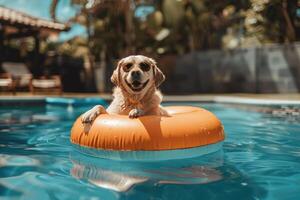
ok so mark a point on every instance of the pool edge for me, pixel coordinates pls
(224, 99)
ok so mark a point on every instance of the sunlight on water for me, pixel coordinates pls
(260, 159)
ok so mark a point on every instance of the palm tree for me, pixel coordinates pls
(53, 7)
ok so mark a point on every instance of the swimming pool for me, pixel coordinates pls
(260, 159)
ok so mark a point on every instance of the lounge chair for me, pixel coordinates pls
(20, 74)
(7, 83)
(45, 84)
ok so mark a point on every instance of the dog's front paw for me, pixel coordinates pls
(90, 115)
(135, 113)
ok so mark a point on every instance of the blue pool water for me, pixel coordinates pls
(260, 159)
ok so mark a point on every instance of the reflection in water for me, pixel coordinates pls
(192, 175)
(104, 178)
(288, 113)
(122, 176)
(27, 116)
(17, 160)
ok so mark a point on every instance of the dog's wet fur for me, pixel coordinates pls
(136, 79)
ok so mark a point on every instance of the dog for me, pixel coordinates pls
(136, 93)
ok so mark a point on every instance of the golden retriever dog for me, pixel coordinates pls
(136, 79)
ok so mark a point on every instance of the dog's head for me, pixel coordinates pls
(137, 74)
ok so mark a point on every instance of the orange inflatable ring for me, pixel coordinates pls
(186, 128)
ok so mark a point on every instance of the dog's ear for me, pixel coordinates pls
(115, 77)
(159, 77)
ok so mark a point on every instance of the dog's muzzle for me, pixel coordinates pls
(136, 85)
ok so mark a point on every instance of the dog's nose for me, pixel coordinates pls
(135, 74)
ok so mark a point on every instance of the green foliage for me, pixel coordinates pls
(181, 26)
